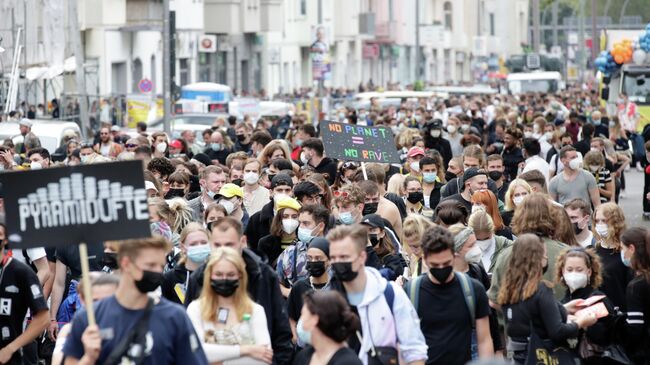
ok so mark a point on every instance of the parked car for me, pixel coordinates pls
(50, 133)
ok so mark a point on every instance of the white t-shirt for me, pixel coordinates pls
(33, 254)
(538, 163)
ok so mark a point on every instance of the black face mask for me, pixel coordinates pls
(224, 287)
(270, 176)
(110, 260)
(374, 239)
(441, 274)
(238, 182)
(577, 230)
(241, 137)
(343, 271)
(545, 269)
(315, 268)
(449, 176)
(173, 193)
(149, 282)
(415, 197)
(370, 208)
(495, 175)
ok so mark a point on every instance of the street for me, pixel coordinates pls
(632, 202)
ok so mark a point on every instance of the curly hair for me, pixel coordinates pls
(406, 138)
(350, 194)
(524, 270)
(592, 261)
(615, 222)
(162, 165)
(534, 216)
(489, 200)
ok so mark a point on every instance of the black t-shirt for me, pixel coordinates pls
(294, 301)
(174, 282)
(446, 322)
(344, 356)
(69, 256)
(459, 198)
(19, 290)
(616, 276)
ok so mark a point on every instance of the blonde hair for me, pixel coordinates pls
(191, 228)
(415, 225)
(395, 184)
(209, 300)
(182, 214)
(481, 221)
(406, 138)
(615, 222)
(511, 190)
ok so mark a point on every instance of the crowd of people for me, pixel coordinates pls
(499, 236)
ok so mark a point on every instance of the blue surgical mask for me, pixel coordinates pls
(346, 218)
(429, 177)
(625, 261)
(303, 336)
(199, 254)
(305, 234)
(215, 146)
(596, 122)
(211, 194)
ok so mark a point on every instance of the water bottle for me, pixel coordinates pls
(245, 331)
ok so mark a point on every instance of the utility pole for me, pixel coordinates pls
(418, 51)
(80, 72)
(166, 68)
(581, 41)
(555, 11)
(536, 40)
(594, 32)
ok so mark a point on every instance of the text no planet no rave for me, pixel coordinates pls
(351, 142)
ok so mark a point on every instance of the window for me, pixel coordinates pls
(492, 24)
(303, 7)
(448, 15)
(184, 71)
(137, 75)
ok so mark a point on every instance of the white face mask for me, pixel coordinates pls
(251, 178)
(485, 244)
(161, 147)
(474, 255)
(304, 158)
(228, 205)
(594, 168)
(451, 129)
(575, 280)
(548, 135)
(35, 165)
(528, 134)
(415, 166)
(435, 133)
(518, 200)
(290, 225)
(602, 229)
(562, 129)
(574, 164)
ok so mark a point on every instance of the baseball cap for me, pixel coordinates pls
(202, 158)
(415, 151)
(472, 172)
(373, 220)
(281, 179)
(26, 122)
(436, 124)
(229, 190)
(148, 185)
(176, 144)
(115, 128)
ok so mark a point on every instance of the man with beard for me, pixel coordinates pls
(474, 179)
(106, 147)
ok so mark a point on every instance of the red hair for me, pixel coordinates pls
(489, 200)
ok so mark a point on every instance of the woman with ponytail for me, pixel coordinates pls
(325, 323)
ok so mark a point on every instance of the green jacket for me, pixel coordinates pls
(553, 249)
(501, 243)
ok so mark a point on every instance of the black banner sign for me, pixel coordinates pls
(350, 142)
(69, 205)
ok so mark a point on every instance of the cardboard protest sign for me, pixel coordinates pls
(351, 142)
(69, 205)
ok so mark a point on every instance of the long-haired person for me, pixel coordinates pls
(564, 230)
(326, 321)
(578, 270)
(284, 228)
(391, 263)
(230, 326)
(413, 229)
(609, 224)
(488, 201)
(491, 245)
(195, 250)
(532, 216)
(517, 191)
(635, 252)
(525, 299)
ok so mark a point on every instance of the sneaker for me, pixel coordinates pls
(638, 167)
(627, 168)
(621, 195)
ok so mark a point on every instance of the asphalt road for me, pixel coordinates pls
(632, 202)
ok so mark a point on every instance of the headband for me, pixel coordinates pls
(461, 237)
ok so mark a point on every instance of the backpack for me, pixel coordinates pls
(413, 291)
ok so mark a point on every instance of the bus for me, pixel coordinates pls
(204, 97)
(535, 82)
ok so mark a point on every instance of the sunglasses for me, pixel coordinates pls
(130, 145)
(349, 165)
(341, 194)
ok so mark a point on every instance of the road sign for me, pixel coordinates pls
(145, 86)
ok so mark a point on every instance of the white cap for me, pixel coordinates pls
(149, 185)
(115, 128)
(26, 122)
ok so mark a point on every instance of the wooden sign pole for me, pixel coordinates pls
(363, 169)
(85, 280)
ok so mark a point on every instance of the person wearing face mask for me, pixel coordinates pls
(313, 155)
(179, 184)
(292, 262)
(230, 326)
(159, 146)
(474, 179)
(434, 139)
(431, 183)
(318, 279)
(255, 195)
(578, 270)
(413, 157)
(573, 182)
(609, 224)
(496, 169)
(635, 253)
(263, 285)
(517, 191)
(39, 158)
(601, 124)
(579, 212)
(326, 321)
(231, 197)
(391, 262)
(528, 304)
(350, 202)
(595, 163)
(512, 153)
(195, 250)
(491, 245)
(450, 304)
(211, 180)
(243, 133)
(218, 147)
(168, 338)
(284, 228)
(383, 306)
(414, 198)
(453, 135)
